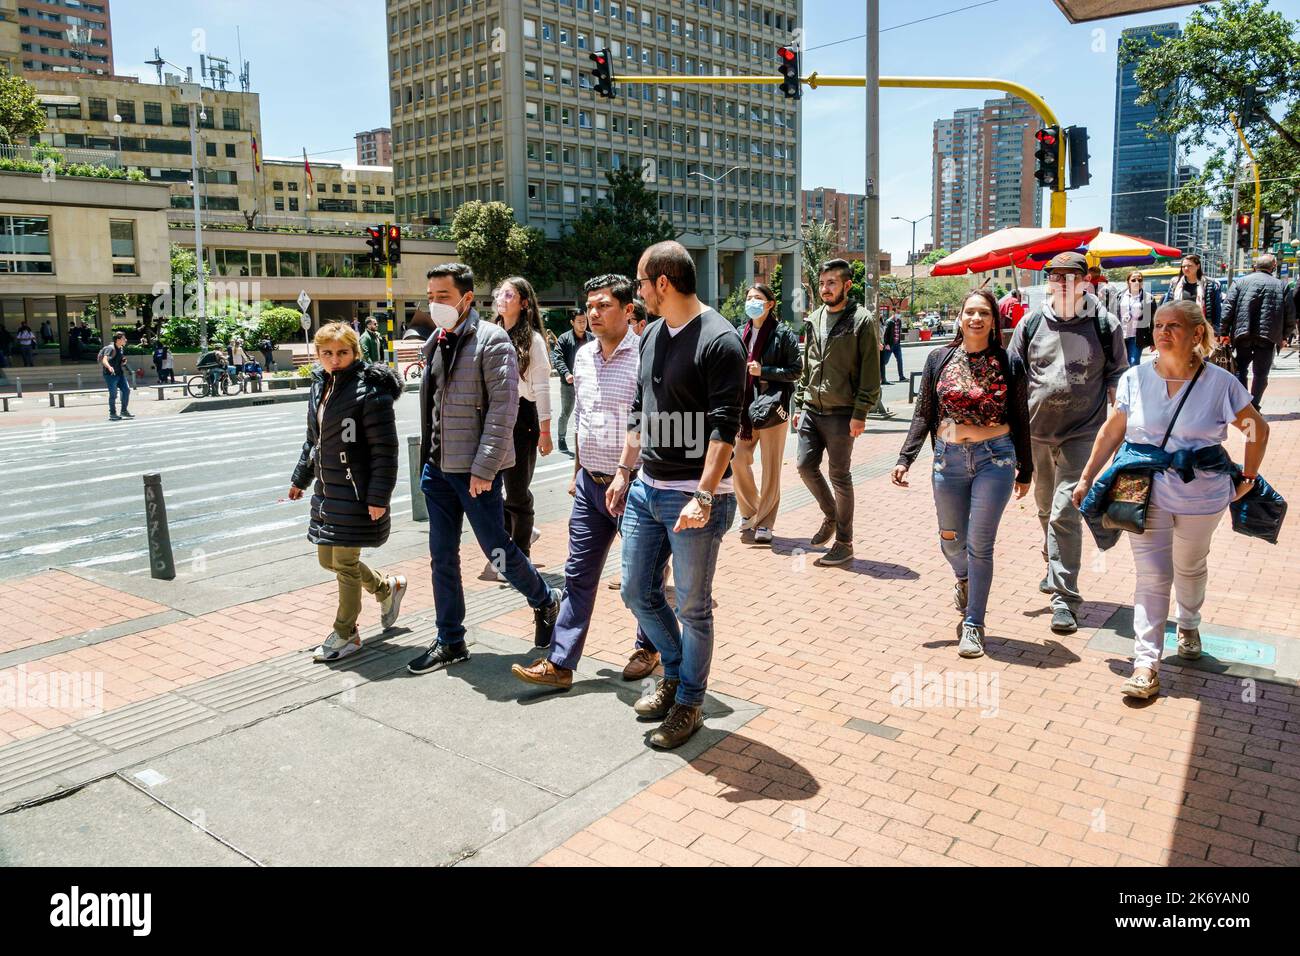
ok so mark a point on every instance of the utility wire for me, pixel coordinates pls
(899, 26)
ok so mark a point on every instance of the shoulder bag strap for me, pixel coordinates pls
(1181, 402)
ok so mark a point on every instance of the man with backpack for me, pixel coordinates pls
(1073, 351)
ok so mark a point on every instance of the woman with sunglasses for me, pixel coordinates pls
(1136, 307)
(974, 407)
(516, 307)
(1191, 285)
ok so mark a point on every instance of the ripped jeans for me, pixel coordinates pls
(972, 485)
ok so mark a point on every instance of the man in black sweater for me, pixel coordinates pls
(683, 423)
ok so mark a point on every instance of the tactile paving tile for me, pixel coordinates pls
(29, 760)
(247, 686)
(142, 722)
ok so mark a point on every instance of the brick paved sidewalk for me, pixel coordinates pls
(1027, 755)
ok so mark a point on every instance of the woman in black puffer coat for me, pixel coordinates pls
(351, 453)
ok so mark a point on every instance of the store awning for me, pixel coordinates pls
(1083, 11)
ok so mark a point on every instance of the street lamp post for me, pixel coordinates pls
(911, 295)
(713, 248)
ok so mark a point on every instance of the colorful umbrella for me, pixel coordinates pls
(1113, 250)
(1008, 247)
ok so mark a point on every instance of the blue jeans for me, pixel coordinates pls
(449, 503)
(592, 530)
(972, 485)
(1134, 353)
(114, 384)
(684, 639)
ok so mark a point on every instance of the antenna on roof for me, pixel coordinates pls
(157, 63)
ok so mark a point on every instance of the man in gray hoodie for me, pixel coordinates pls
(1074, 352)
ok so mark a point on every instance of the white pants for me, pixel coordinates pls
(1172, 551)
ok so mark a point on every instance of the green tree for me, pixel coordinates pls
(21, 113)
(820, 240)
(733, 310)
(492, 243)
(279, 323)
(1197, 78)
(933, 257)
(775, 281)
(610, 235)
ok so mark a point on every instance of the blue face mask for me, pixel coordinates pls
(754, 308)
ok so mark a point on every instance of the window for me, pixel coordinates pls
(530, 69)
(210, 148)
(229, 118)
(530, 28)
(25, 244)
(180, 114)
(126, 110)
(293, 201)
(153, 114)
(279, 204)
(278, 186)
(230, 150)
(293, 187)
(98, 108)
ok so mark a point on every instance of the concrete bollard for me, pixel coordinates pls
(79, 385)
(419, 510)
(161, 563)
(18, 388)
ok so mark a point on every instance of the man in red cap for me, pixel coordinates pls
(1073, 350)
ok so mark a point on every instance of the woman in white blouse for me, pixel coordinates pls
(517, 313)
(1136, 306)
(1181, 515)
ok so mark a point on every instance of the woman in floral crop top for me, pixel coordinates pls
(974, 407)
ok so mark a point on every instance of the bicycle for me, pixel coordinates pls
(413, 372)
(202, 384)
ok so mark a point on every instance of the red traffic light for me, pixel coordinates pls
(394, 232)
(600, 61)
(786, 53)
(1243, 220)
(1045, 137)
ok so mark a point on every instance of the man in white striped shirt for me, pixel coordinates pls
(605, 373)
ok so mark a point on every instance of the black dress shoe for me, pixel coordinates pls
(544, 620)
(439, 656)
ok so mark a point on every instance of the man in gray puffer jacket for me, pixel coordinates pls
(469, 398)
(1259, 314)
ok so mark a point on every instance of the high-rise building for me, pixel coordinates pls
(1145, 163)
(66, 36)
(10, 37)
(983, 165)
(848, 213)
(1185, 228)
(375, 147)
(493, 101)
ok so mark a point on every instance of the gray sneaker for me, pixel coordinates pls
(961, 594)
(1063, 621)
(1044, 586)
(335, 648)
(972, 641)
(763, 536)
(824, 533)
(840, 553)
(391, 606)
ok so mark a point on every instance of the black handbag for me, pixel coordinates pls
(1130, 494)
(767, 410)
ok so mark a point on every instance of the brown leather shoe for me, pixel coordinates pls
(678, 727)
(658, 704)
(614, 584)
(544, 673)
(641, 665)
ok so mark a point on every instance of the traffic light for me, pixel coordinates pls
(1243, 231)
(788, 58)
(603, 79)
(375, 240)
(1076, 147)
(394, 245)
(1270, 230)
(1047, 156)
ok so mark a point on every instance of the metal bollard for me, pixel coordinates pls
(419, 510)
(18, 384)
(79, 380)
(161, 563)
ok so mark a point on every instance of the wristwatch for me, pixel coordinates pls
(704, 498)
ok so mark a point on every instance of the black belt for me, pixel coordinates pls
(601, 478)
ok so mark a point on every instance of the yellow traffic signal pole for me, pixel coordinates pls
(1039, 105)
(1254, 168)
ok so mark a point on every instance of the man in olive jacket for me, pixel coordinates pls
(469, 399)
(839, 385)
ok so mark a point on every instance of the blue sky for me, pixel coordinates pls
(320, 65)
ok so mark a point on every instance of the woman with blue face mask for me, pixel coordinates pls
(772, 349)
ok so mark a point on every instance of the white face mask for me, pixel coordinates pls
(444, 316)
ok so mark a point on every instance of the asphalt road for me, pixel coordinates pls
(74, 494)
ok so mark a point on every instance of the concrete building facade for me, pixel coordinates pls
(65, 36)
(983, 172)
(848, 211)
(375, 147)
(493, 102)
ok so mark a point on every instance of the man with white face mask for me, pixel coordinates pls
(469, 399)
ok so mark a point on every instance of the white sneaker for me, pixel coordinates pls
(336, 648)
(763, 536)
(536, 534)
(389, 608)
